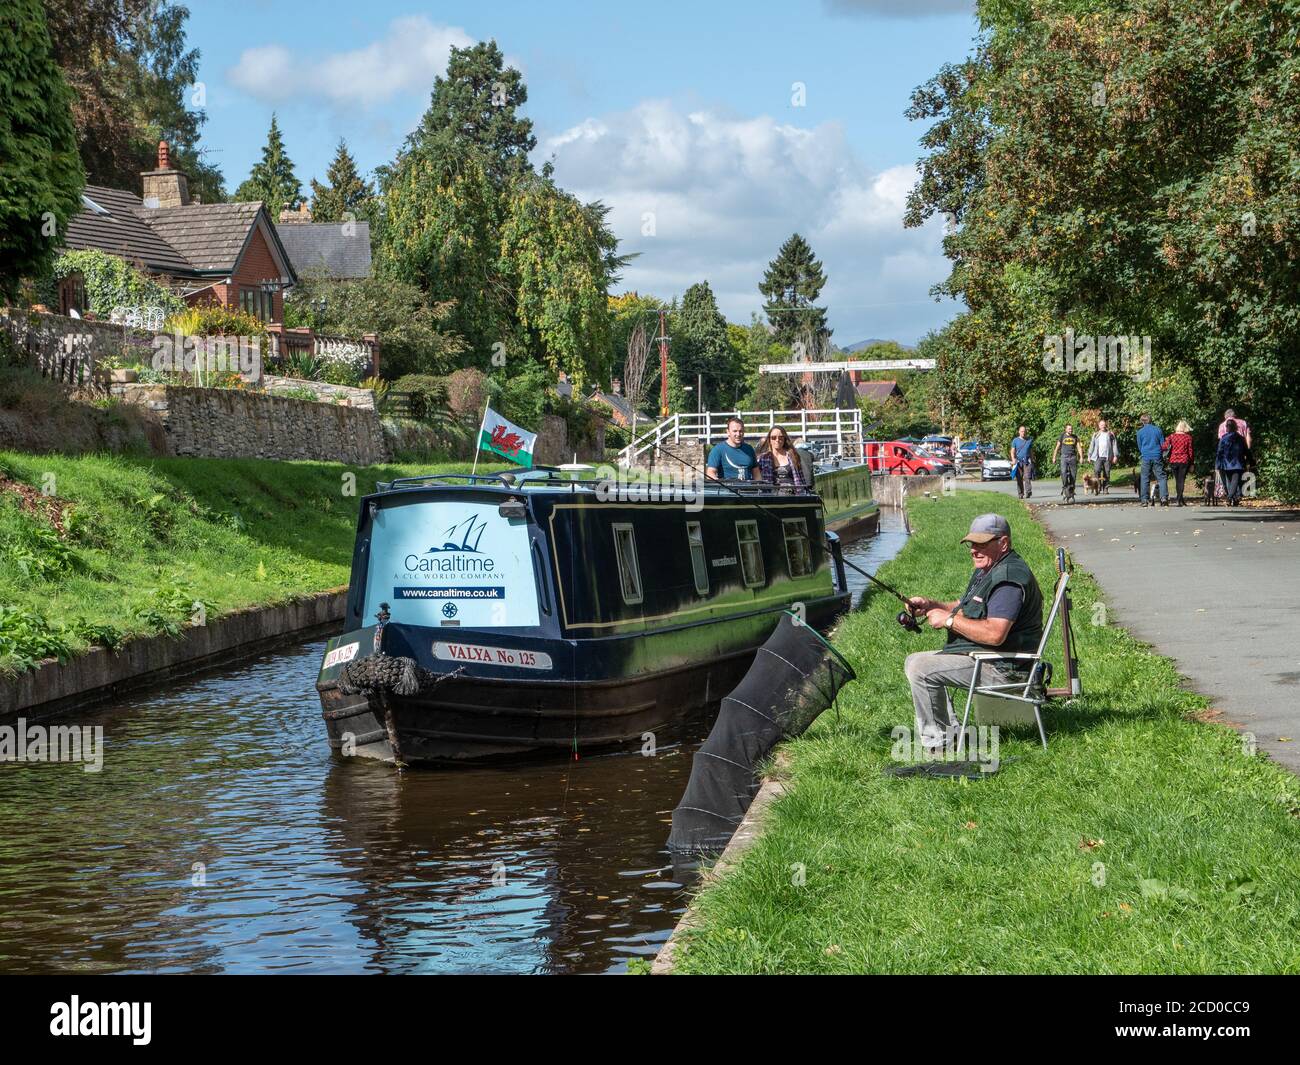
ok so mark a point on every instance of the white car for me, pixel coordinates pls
(996, 468)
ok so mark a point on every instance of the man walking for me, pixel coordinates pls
(1071, 452)
(1103, 453)
(1022, 446)
(1151, 442)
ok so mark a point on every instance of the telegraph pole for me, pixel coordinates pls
(663, 367)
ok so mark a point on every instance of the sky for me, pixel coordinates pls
(713, 130)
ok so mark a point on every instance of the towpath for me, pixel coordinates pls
(1215, 589)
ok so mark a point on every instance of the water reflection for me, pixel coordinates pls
(222, 836)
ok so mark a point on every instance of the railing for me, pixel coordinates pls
(843, 426)
(363, 351)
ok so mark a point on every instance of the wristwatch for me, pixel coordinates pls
(948, 624)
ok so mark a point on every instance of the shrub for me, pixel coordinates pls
(212, 319)
(111, 282)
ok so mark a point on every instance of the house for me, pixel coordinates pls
(225, 253)
(334, 251)
(879, 391)
(617, 403)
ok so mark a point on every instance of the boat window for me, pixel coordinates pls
(798, 549)
(751, 553)
(629, 573)
(699, 565)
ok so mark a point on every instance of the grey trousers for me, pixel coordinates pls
(931, 673)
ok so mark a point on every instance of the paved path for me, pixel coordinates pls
(1215, 589)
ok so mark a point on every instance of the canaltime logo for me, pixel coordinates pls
(459, 552)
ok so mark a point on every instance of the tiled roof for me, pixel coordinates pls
(616, 402)
(325, 248)
(879, 390)
(120, 230)
(209, 235)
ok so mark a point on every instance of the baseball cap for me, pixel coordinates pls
(985, 528)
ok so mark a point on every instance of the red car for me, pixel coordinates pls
(894, 456)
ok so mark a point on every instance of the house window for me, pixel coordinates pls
(629, 572)
(699, 565)
(798, 548)
(750, 549)
(258, 302)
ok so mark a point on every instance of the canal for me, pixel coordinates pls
(222, 836)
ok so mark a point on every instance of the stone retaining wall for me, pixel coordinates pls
(55, 688)
(229, 423)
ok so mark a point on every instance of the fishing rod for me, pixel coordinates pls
(906, 618)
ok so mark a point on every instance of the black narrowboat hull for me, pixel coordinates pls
(473, 717)
(553, 619)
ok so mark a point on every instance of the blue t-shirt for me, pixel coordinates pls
(736, 463)
(1150, 440)
(1020, 448)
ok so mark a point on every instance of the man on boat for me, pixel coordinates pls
(733, 459)
(1001, 610)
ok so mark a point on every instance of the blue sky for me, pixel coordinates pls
(682, 117)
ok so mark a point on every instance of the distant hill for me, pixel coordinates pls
(861, 344)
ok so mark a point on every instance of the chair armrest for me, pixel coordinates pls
(1023, 656)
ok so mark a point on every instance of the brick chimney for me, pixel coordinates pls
(302, 214)
(165, 187)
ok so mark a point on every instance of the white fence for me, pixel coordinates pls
(841, 429)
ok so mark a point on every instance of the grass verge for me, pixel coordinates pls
(97, 548)
(1143, 840)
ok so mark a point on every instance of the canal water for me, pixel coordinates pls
(221, 835)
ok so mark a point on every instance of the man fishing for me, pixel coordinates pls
(1001, 610)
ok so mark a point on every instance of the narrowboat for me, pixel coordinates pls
(548, 611)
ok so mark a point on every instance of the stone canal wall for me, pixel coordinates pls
(56, 688)
(892, 489)
(232, 424)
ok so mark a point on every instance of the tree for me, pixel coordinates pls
(41, 176)
(638, 350)
(412, 329)
(272, 180)
(1145, 191)
(557, 248)
(440, 231)
(347, 196)
(133, 81)
(790, 287)
(478, 101)
(701, 344)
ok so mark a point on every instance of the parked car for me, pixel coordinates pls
(996, 468)
(937, 444)
(895, 456)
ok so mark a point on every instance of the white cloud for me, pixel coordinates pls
(726, 191)
(406, 59)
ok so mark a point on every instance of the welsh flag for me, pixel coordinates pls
(505, 439)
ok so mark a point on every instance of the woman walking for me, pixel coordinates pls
(1178, 446)
(1230, 461)
(778, 462)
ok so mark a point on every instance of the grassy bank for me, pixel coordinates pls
(1143, 840)
(124, 546)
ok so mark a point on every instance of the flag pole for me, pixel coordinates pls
(478, 444)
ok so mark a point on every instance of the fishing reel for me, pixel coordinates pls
(908, 620)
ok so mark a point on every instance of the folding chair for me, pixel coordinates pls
(999, 704)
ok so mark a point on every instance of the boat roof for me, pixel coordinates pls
(568, 479)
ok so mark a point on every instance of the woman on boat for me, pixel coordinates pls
(778, 462)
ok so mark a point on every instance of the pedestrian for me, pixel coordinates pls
(1178, 446)
(1230, 460)
(1243, 427)
(1151, 439)
(1022, 454)
(1069, 447)
(1103, 453)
